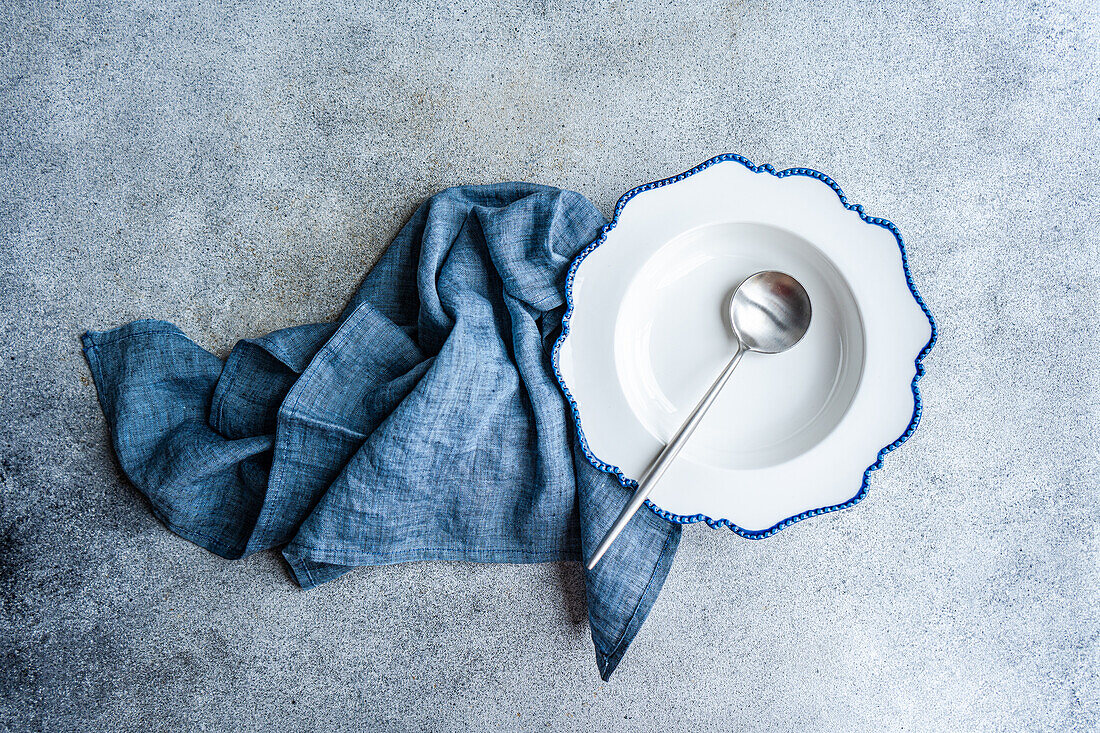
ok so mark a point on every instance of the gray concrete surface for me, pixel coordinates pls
(237, 170)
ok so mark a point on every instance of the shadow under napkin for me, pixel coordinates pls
(424, 424)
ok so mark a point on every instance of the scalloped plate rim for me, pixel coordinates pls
(918, 361)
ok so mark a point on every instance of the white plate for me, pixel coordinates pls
(792, 434)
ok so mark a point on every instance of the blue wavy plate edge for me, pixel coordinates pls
(918, 365)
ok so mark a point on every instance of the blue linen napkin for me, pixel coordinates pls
(424, 424)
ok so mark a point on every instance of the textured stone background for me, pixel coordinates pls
(237, 171)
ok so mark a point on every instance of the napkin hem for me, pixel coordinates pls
(483, 554)
(300, 563)
(608, 662)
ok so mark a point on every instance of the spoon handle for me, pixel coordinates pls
(664, 459)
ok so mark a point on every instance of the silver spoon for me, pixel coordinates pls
(769, 313)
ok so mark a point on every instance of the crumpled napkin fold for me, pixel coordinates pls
(424, 424)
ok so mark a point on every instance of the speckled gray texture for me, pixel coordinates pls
(236, 171)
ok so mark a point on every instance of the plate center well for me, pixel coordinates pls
(672, 339)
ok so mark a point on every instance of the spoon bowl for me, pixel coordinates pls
(769, 312)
